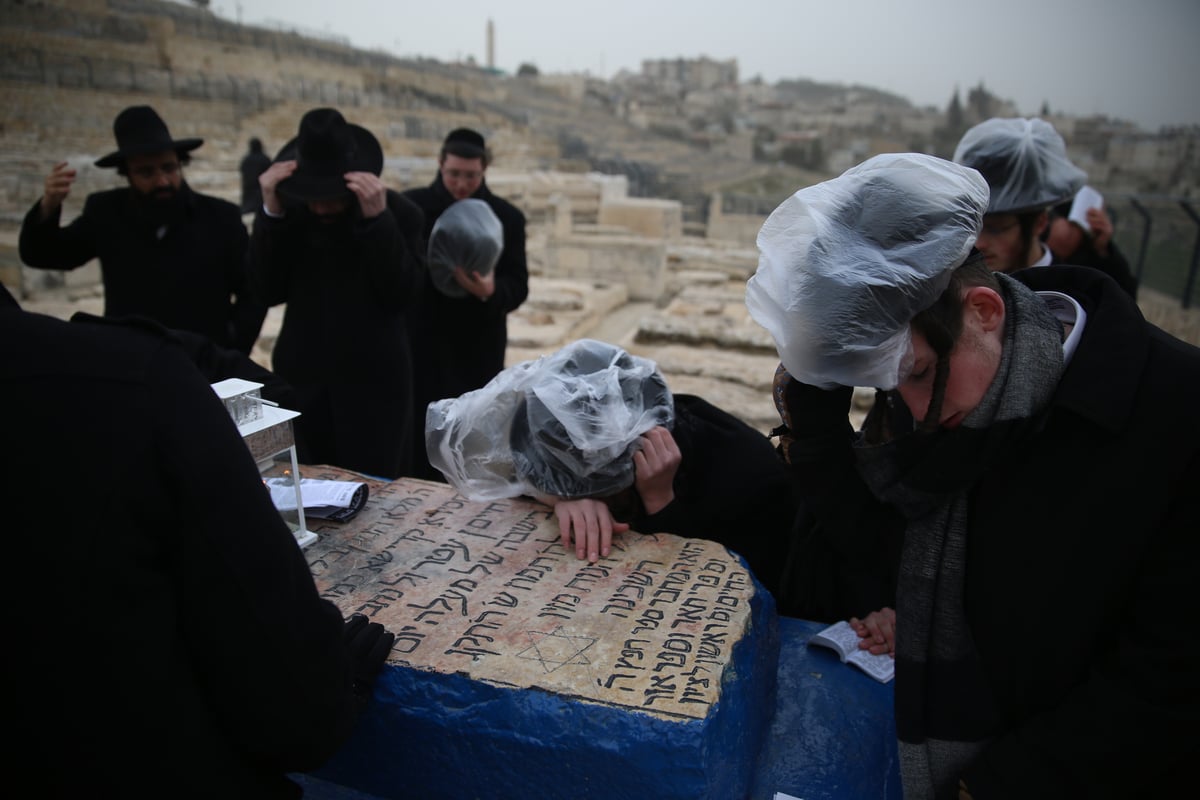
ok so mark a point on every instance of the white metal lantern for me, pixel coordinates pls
(267, 431)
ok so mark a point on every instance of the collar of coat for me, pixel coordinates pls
(1114, 344)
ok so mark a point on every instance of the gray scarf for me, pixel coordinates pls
(945, 712)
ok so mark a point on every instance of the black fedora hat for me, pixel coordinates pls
(139, 131)
(326, 148)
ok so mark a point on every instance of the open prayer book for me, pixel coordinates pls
(842, 639)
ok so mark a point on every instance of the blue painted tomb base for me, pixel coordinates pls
(831, 737)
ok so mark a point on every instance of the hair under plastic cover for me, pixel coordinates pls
(565, 424)
(1024, 162)
(846, 264)
(468, 234)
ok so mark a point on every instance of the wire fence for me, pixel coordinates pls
(1160, 236)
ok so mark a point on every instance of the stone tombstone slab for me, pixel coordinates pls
(520, 670)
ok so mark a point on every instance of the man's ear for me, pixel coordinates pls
(986, 306)
(1041, 224)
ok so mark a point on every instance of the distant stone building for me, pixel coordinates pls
(691, 74)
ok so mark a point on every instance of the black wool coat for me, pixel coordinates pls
(171, 639)
(459, 343)
(731, 488)
(1081, 556)
(1081, 553)
(1114, 264)
(344, 344)
(193, 278)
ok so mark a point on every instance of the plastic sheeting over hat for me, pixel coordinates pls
(846, 264)
(565, 424)
(1024, 162)
(468, 234)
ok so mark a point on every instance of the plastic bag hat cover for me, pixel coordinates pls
(1024, 162)
(846, 264)
(468, 234)
(578, 429)
(563, 425)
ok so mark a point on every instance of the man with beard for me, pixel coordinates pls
(1025, 164)
(345, 254)
(460, 332)
(166, 252)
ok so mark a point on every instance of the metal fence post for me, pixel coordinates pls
(1191, 277)
(1147, 223)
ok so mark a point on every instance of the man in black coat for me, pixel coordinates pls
(1047, 497)
(345, 254)
(459, 341)
(171, 639)
(254, 164)
(166, 252)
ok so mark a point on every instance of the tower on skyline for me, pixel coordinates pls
(491, 45)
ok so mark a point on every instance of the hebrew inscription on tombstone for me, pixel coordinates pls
(521, 670)
(487, 590)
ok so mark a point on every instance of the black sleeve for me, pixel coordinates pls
(43, 244)
(845, 549)
(268, 648)
(393, 248)
(272, 255)
(1130, 725)
(248, 311)
(512, 272)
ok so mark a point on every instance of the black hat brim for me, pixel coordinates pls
(299, 186)
(116, 157)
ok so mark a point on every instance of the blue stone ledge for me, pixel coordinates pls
(832, 736)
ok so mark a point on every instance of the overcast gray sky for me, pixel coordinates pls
(1133, 59)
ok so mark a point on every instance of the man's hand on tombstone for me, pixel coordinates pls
(590, 524)
(368, 645)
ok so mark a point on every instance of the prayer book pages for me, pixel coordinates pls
(842, 639)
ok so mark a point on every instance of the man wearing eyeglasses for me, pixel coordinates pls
(166, 252)
(1032, 183)
(459, 335)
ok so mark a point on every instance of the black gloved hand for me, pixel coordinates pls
(368, 645)
(810, 416)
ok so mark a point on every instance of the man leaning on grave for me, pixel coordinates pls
(345, 254)
(166, 252)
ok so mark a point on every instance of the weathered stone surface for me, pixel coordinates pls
(662, 653)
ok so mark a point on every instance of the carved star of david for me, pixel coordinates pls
(556, 649)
